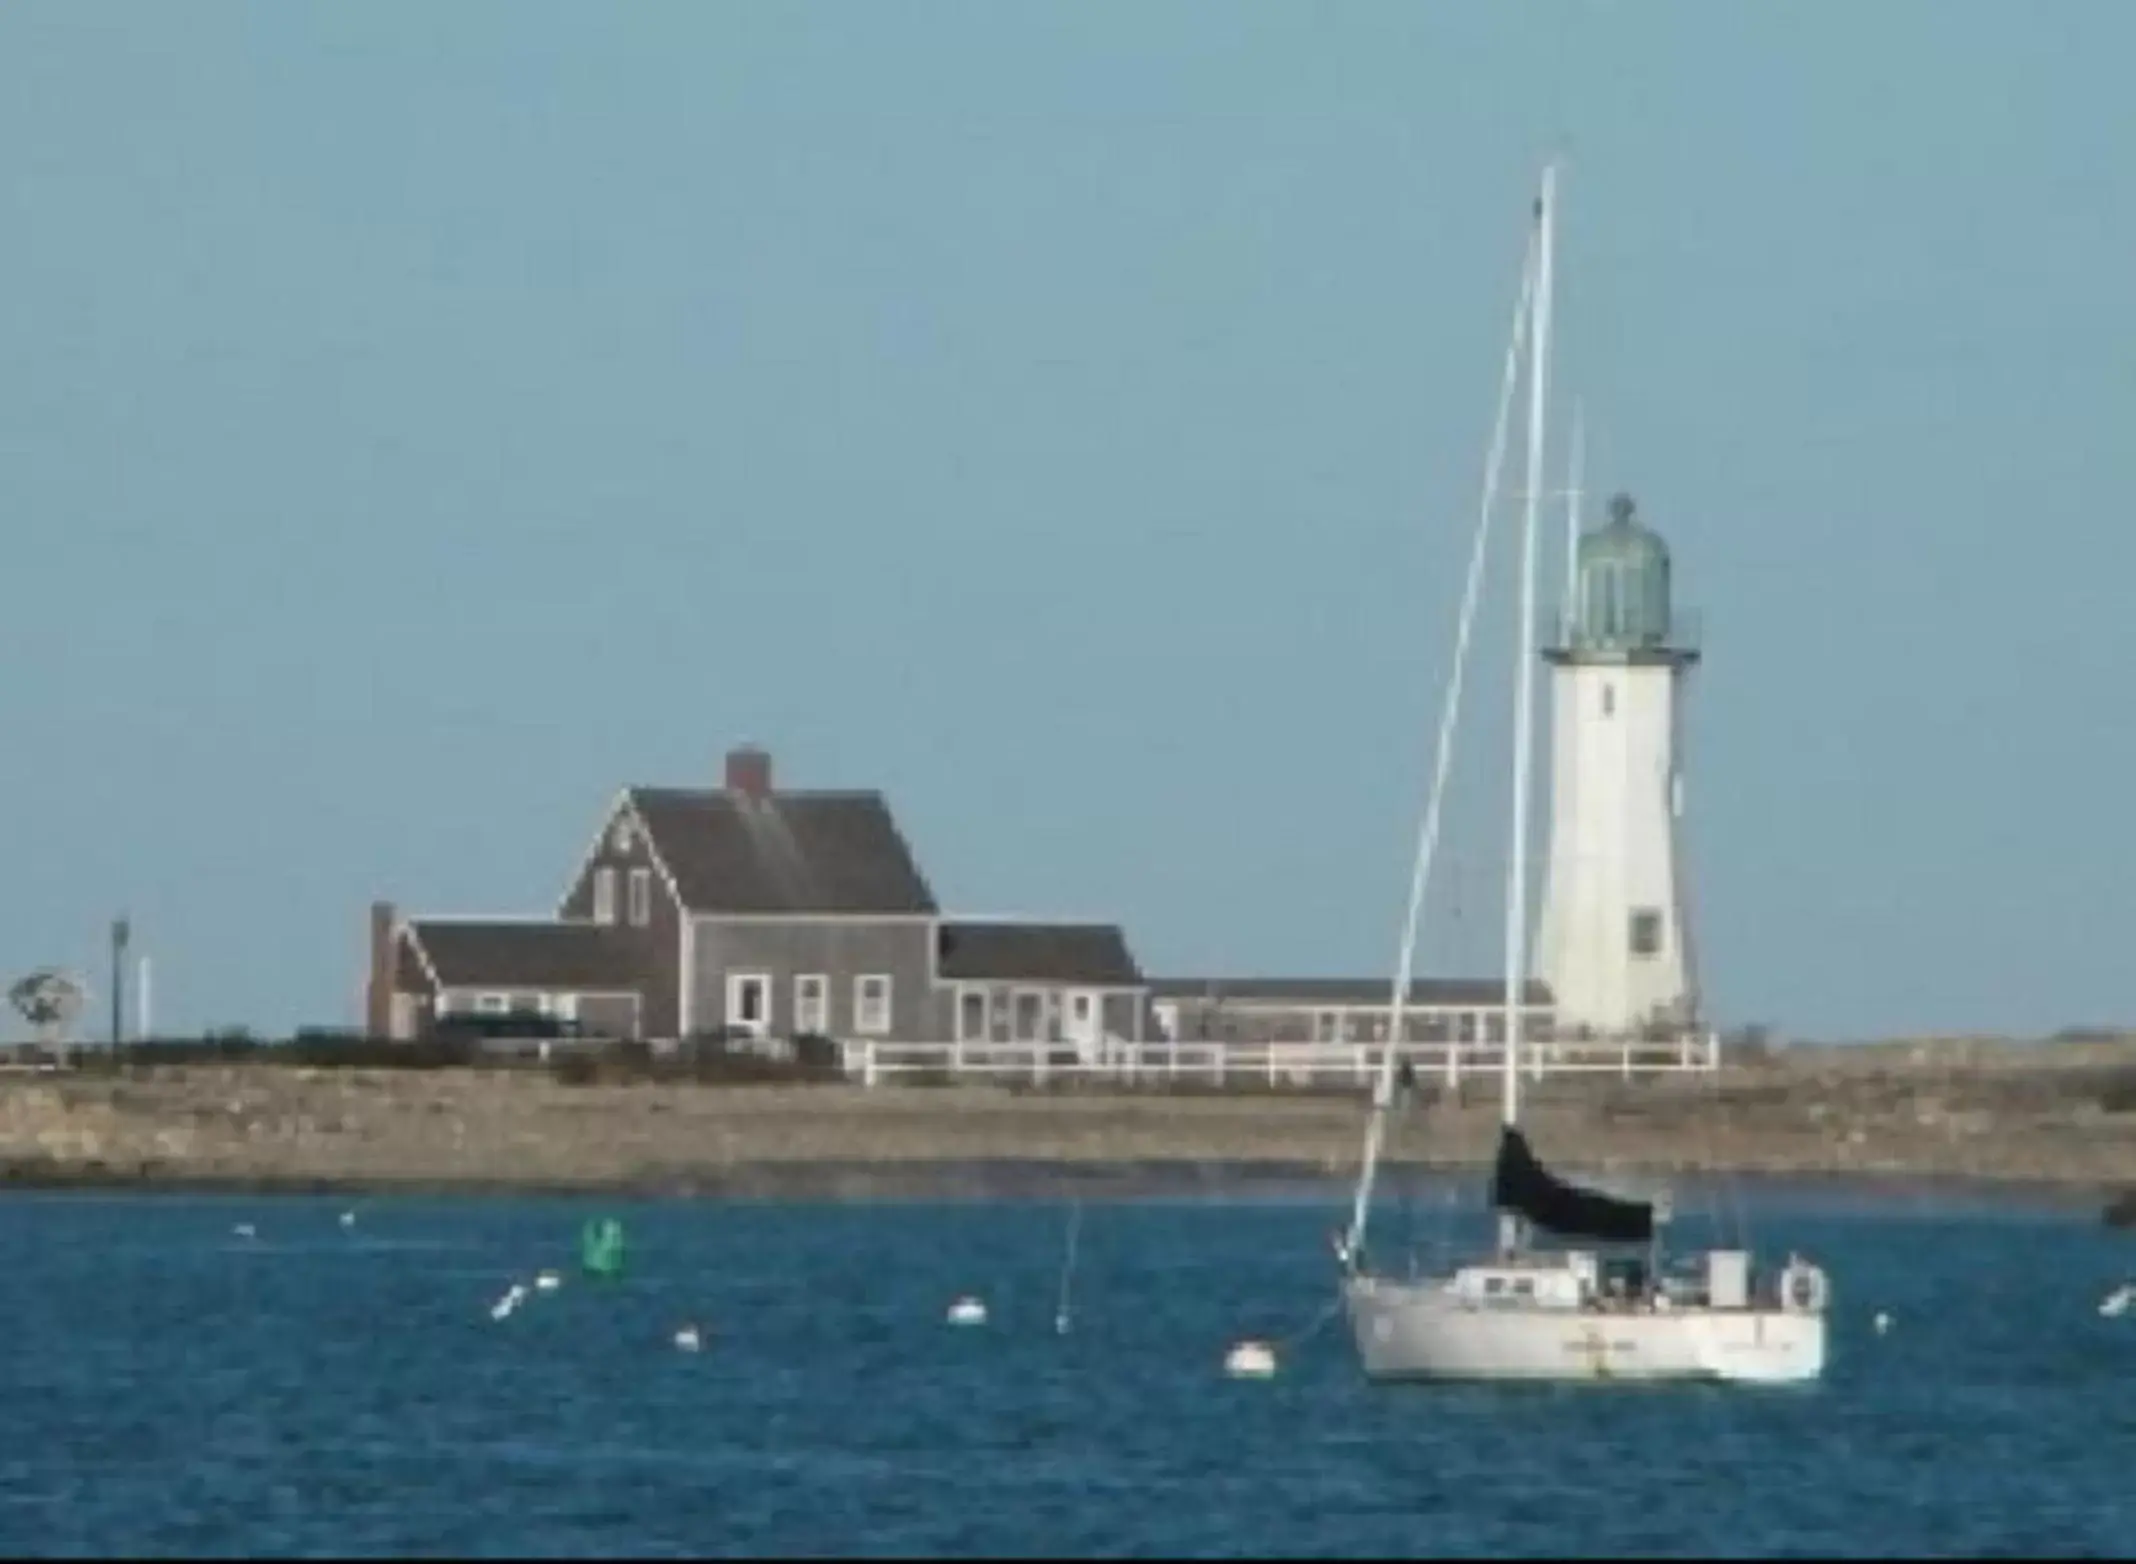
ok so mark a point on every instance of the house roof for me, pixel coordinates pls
(506, 953)
(1095, 954)
(1457, 992)
(784, 852)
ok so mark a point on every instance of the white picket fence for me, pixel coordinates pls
(875, 1063)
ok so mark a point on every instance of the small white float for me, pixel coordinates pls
(245, 1230)
(687, 1339)
(967, 1311)
(2119, 1300)
(1882, 1322)
(1250, 1360)
(348, 1219)
(548, 1281)
(514, 1296)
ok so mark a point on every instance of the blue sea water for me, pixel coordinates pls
(177, 1390)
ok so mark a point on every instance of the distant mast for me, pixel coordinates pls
(1575, 471)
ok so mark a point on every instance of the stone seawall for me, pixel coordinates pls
(2040, 1115)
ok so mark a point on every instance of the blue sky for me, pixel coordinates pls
(417, 420)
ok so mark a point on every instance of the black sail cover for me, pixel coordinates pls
(1522, 1184)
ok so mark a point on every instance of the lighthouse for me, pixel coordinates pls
(1614, 943)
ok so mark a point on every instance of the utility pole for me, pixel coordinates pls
(121, 933)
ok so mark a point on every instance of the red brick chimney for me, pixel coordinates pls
(385, 966)
(749, 772)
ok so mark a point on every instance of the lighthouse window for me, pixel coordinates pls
(1646, 932)
(1609, 699)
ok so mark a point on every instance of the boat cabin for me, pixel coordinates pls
(1579, 1279)
(1559, 1281)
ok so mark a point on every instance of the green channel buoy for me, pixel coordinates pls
(601, 1247)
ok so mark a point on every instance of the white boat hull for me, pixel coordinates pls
(1421, 1329)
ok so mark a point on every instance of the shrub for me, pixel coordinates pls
(575, 1069)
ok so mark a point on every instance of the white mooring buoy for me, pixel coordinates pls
(514, 1296)
(687, 1339)
(1250, 1360)
(1882, 1322)
(2119, 1300)
(967, 1311)
(548, 1281)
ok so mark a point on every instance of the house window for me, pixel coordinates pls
(1327, 1026)
(490, 1004)
(564, 1007)
(1646, 932)
(641, 897)
(871, 1004)
(1030, 1016)
(749, 1002)
(812, 1003)
(604, 895)
(971, 1015)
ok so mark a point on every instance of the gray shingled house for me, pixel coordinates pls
(765, 911)
(750, 909)
(1070, 983)
(574, 972)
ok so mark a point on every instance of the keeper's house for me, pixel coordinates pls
(751, 910)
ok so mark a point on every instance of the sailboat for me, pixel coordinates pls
(1600, 1304)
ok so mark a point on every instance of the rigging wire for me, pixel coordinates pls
(1428, 835)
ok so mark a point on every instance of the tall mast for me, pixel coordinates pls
(1524, 672)
(1449, 715)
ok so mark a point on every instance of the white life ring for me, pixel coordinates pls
(1803, 1289)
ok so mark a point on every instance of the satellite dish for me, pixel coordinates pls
(49, 1000)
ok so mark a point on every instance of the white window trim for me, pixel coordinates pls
(812, 1010)
(735, 982)
(1018, 999)
(604, 895)
(966, 993)
(641, 897)
(867, 1020)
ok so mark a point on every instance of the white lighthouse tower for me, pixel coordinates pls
(1614, 941)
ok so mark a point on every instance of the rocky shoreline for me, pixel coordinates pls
(2057, 1120)
(952, 1183)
